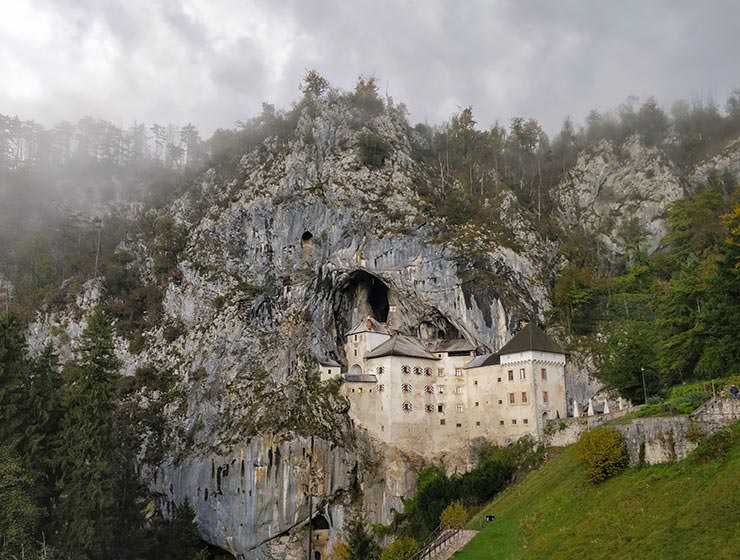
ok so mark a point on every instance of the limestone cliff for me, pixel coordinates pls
(301, 241)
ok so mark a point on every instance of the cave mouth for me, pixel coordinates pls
(307, 236)
(359, 295)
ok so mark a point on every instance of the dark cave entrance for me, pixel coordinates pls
(360, 295)
(307, 236)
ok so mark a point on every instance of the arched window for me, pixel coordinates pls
(380, 370)
(429, 389)
(429, 408)
(417, 371)
(406, 369)
(428, 371)
(407, 388)
(406, 406)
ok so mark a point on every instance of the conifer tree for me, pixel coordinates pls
(19, 514)
(13, 369)
(84, 516)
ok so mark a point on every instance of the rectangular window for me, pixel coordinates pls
(500, 401)
(499, 380)
(501, 422)
(441, 372)
(512, 399)
(545, 397)
(477, 403)
(543, 372)
(442, 422)
(513, 421)
(355, 338)
(440, 408)
(522, 374)
(525, 421)
(355, 351)
(458, 390)
(458, 372)
(459, 408)
(458, 425)
(475, 382)
(524, 398)
(477, 423)
(440, 389)
(511, 375)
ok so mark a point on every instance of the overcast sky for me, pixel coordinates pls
(214, 62)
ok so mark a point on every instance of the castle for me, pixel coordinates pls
(435, 398)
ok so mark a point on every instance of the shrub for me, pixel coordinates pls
(454, 516)
(400, 549)
(373, 150)
(602, 453)
(717, 445)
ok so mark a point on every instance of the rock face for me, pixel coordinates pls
(620, 197)
(282, 258)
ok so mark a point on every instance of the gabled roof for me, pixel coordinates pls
(328, 362)
(451, 346)
(401, 345)
(531, 337)
(368, 324)
(484, 360)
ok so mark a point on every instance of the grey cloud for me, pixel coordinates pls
(505, 58)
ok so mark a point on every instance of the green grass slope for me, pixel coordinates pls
(685, 510)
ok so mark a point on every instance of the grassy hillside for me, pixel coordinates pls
(686, 510)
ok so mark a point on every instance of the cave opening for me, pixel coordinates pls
(307, 236)
(360, 295)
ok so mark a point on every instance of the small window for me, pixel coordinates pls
(428, 371)
(406, 369)
(543, 372)
(524, 398)
(477, 403)
(442, 422)
(406, 406)
(525, 421)
(458, 390)
(429, 408)
(513, 421)
(355, 338)
(500, 401)
(458, 372)
(475, 382)
(522, 373)
(499, 380)
(545, 397)
(328, 371)
(407, 388)
(441, 389)
(380, 370)
(511, 375)
(428, 389)
(512, 399)
(440, 372)
(458, 425)
(477, 423)
(501, 422)
(417, 371)
(440, 408)
(459, 408)
(381, 387)
(355, 351)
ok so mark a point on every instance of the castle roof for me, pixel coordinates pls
(452, 346)
(531, 337)
(330, 363)
(368, 324)
(484, 360)
(401, 345)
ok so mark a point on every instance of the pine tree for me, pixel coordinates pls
(85, 513)
(13, 369)
(180, 538)
(19, 514)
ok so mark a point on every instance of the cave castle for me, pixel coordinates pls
(435, 398)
